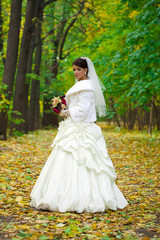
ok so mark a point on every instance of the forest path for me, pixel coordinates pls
(136, 159)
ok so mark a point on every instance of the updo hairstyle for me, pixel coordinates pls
(80, 62)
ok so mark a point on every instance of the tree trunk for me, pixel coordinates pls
(34, 97)
(11, 56)
(1, 30)
(157, 116)
(140, 118)
(48, 118)
(1, 34)
(27, 85)
(116, 115)
(131, 117)
(58, 43)
(34, 108)
(123, 117)
(19, 97)
(151, 117)
(37, 107)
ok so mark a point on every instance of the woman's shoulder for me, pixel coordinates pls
(84, 85)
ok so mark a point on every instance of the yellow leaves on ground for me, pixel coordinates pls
(136, 159)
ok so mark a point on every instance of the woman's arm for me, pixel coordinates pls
(80, 109)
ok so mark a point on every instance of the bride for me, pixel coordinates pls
(79, 175)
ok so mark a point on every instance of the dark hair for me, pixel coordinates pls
(80, 62)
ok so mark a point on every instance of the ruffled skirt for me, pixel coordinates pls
(78, 175)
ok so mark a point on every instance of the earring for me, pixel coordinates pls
(85, 73)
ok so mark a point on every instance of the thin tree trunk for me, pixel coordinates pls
(1, 31)
(22, 65)
(49, 118)
(131, 117)
(140, 118)
(37, 107)
(116, 115)
(27, 84)
(58, 43)
(151, 117)
(34, 98)
(11, 56)
(38, 57)
(33, 116)
(157, 116)
(1, 51)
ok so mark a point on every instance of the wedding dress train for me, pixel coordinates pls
(78, 175)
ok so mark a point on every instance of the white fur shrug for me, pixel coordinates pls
(80, 101)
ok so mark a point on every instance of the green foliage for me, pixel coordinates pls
(6, 106)
(65, 11)
(4, 102)
(120, 36)
(15, 117)
(33, 76)
(124, 47)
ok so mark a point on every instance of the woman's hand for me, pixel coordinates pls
(64, 113)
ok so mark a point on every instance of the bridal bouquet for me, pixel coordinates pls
(58, 103)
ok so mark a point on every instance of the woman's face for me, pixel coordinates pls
(79, 73)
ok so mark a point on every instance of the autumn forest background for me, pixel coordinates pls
(39, 40)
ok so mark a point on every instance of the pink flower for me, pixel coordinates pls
(56, 110)
(64, 101)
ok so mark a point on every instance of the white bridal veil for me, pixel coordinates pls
(98, 87)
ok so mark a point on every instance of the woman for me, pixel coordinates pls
(79, 175)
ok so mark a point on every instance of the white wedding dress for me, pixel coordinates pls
(78, 175)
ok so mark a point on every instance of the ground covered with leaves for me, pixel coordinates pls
(136, 159)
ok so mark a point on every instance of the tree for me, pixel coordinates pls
(22, 64)
(124, 47)
(1, 31)
(69, 14)
(11, 57)
(33, 114)
(20, 93)
(120, 37)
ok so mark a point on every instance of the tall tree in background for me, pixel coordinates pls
(19, 98)
(11, 57)
(1, 31)
(33, 114)
(68, 16)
